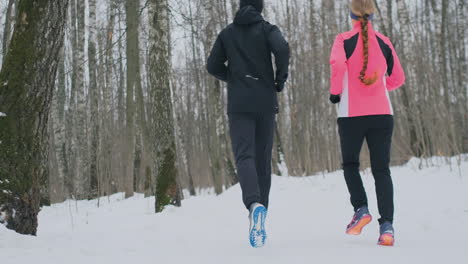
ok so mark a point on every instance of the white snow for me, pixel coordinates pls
(306, 224)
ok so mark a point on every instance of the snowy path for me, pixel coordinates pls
(431, 226)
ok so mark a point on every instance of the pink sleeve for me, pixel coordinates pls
(338, 66)
(397, 78)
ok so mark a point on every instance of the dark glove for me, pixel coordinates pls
(279, 87)
(335, 98)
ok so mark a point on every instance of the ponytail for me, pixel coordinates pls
(365, 41)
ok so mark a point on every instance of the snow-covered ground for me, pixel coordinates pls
(305, 225)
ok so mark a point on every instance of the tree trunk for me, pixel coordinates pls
(167, 188)
(27, 79)
(58, 134)
(404, 19)
(94, 102)
(279, 164)
(119, 148)
(107, 114)
(133, 65)
(234, 7)
(222, 169)
(141, 149)
(9, 19)
(81, 169)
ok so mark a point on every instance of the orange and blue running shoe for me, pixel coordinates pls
(361, 218)
(386, 234)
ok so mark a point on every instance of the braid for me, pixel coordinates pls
(365, 41)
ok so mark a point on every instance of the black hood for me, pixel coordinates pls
(258, 4)
(248, 15)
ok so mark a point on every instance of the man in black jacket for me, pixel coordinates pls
(247, 45)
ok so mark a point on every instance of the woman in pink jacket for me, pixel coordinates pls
(365, 67)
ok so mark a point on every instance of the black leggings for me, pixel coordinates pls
(377, 130)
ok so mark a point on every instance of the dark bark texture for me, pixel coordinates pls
(167, 187)
(27, 82)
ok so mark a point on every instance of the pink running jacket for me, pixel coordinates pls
(358, 99)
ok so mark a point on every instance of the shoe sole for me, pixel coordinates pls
(386, 240)
(258, 234)
(357, 229)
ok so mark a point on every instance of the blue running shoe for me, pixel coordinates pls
(257, 232)
(360, 219)
(387, 237)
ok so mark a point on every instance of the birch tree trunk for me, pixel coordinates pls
(27, 82)
(94, 101)
(70, 138)
(81, 180)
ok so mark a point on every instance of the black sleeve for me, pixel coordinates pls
(390, 63)
(280, 48)
(388, 54)
(216, 61)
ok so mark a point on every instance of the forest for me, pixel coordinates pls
(99, 97)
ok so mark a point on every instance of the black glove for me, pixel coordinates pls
(279, 86)
(335, 98)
